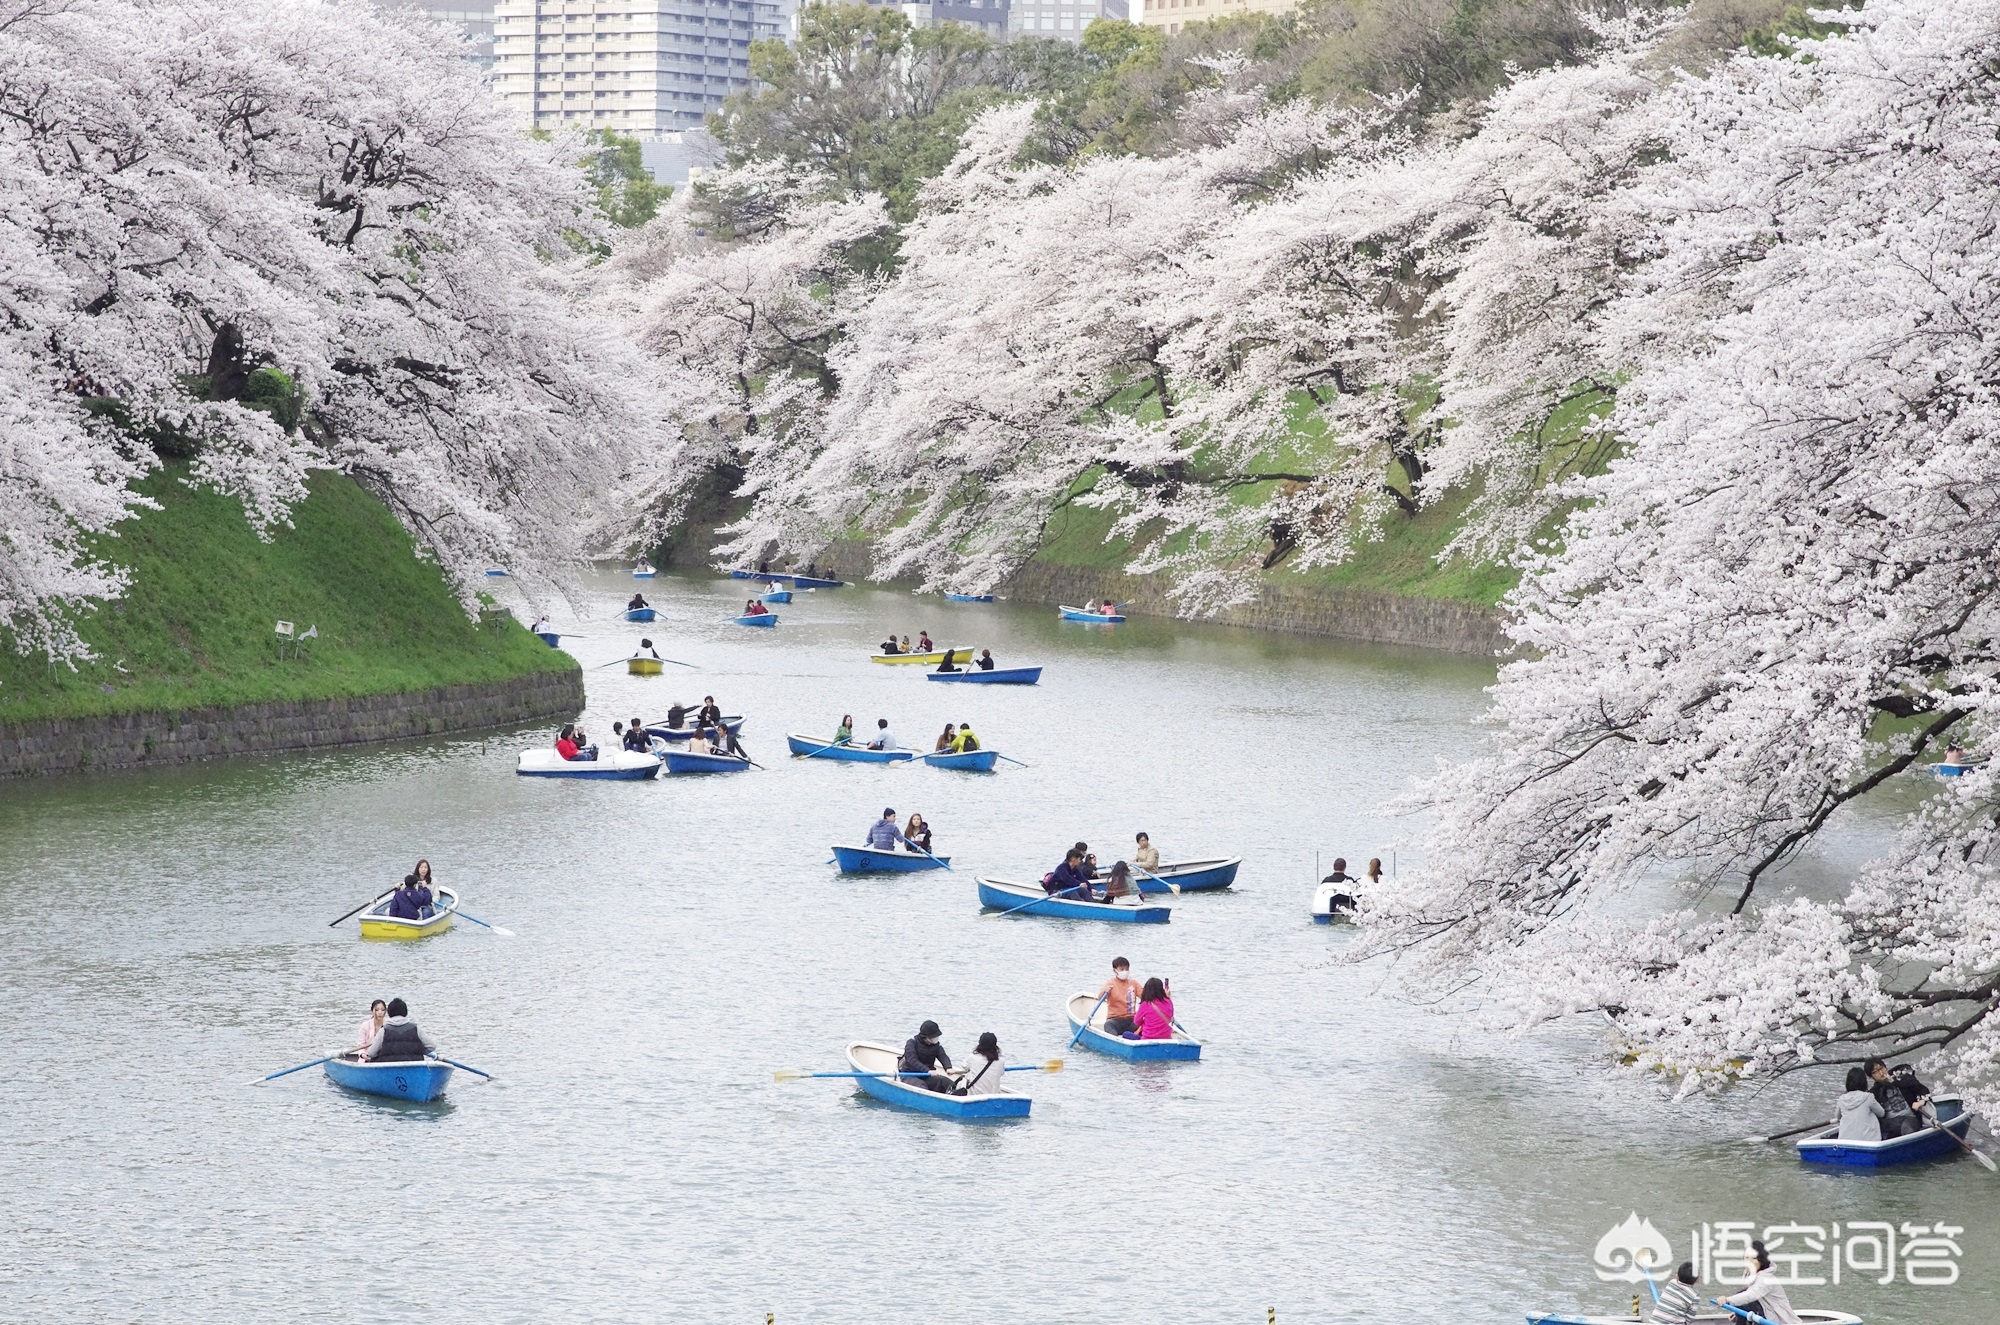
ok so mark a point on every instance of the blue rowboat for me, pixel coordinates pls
(776, 595)
(814, 582)
(1192, 876)
(643, 571)
(999, 676)
(869, 860)
(496, 571)
(1095, 1036)
(768, 577)
(424, 1079)
(765, 619)
(638, 614)
(970, 597)
(733, 721)
(873, 1058)
(969, 761)
(1957, 770)
(548, 637)
(1806, 1315)
(821, 749)
(1032, 901)
(1085, 614)
(688, 761)
(1823, 1148)
(611, 765)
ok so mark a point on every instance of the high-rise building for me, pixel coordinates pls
(642, 67)
(1173, 15)
(474, 18)
(1065, 19)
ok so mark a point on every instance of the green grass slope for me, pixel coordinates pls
(197, 626)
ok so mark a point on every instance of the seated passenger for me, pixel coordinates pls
(637, 740)
(946, 741)
(947, 665)
(1859, 1112)
(1155, 1018)
(399, 1040)
(966, 740)
(906, 646)
(1120, 883)
(845, 731)
(985, 1074)
(566, 745)
(1901, 1096)
(917, 835)
(378, 1012)
(403, 906)
(889, 647)
(923, 641)
(884, 738)
(422, 876)
(986, 660)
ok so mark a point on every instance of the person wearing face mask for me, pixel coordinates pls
(924, 1052)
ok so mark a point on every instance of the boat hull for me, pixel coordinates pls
(644, 666)
(610, 765)
(1806, 1315)
(765, 620)
(870, 860)
(853, 754)
(969, 761)
(732, 721)
(1180, 1049)
(931, 659)
(686, 761)
(767, 577)
(420, 1081)
(548, 637)
(639, 614)
(866, 1057)
(642, 572)
(970, 597)
(999, 676)
(1032, 901)
(377, 923)
(778, 596)
(1101, 618)
(1931, 1143)
(1191, 876)
(814, 582)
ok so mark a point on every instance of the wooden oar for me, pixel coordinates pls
(1086, 1021)
(1930, 1116)
(1173, 888)
(356, 911)
(465, 1067)
(800, 1074)
(503, 933)
(1779, 1136)
(288, 1071)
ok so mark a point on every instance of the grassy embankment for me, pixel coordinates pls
(197, 627)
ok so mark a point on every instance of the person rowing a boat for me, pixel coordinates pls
(1901, 1096)
(884, 738)
(638, 602)
(883, 835)
(1068, 878)
(755, 607)
(947, 740)
(1120, 996)
(986, 660)
(542, 626)
(947, 665)
(399, 1040)
(404, 905)
(924, 1052)
(721, 740)
(923, 641)
(1145, 855)
(966, 740)
(650, 651)
(378, 1012)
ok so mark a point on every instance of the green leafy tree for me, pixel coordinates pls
(626, 191)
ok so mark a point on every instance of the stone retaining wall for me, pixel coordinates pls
(144, 740)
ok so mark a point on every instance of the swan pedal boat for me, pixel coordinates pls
(867, 1057)
(419, 1079)
(970, 597)
(639, 614)
(856, 754)
(1931, 1142)
(873, 860)
(692, 761)
(733, 721)
(637, 666)
(966, 761)
(930, 659)
(764, 619)
(999, 676)
(377, 923)
(1806, 1315)
(1192, 876)
(1085, 614)
(1094, 1036)
(1032, 901)
(615, 765)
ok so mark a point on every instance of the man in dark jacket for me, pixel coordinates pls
(404, 904)
(924, 1052)
(1901, 1096)
(399, 1040)
(1068, 878)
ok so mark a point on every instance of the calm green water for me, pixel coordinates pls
(1339, 1155)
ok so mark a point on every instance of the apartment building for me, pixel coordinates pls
(473, 18)
(1173, 15)
(1064, 19)
(642, 67)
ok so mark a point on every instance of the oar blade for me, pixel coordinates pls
(790, 1074)
(1053, 1065)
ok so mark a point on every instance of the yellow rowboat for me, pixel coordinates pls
(957, 656)
(377, 923)
(643, 666)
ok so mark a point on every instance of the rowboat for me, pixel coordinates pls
(1032, 901)
(1191, 876)
(999, 676)
(765, 619)
(1094, 1036)
(819, 749)
(643, 571)
(424, 1079)
(1953, 1120)
(873, 1058)
(495, 571)
(689, 761)
(869, 860)
(968, 761)
(639, 614)
(640, 666)
(1806, 1315)
(617, 765)
(764, 575)
(1958, 770)
(958, 655)
(548, 637)
(1085, 614)
(776, 595)
(814, 582)
(970, 597)
(733, 721)
(377, 923)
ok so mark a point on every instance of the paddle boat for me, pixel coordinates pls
(377, 923)
(764, 619)
(870, 860)
(690, 761)
(733, 721)
(880, 1058)
(999, 676)
(643, 571)
(1931, 1142)
(548, 637)
(1032, 901)
(1324, 912)
(1085, 614)
(424, 1079)
(933, 658)
(858, 754)
(1190, 876)
(615, 765)
(814, 582)
(970, 597)
(640, 665)
(1094, 1036)
(1708, 1314)
(968, 761)
(639, 614)
(776, 595)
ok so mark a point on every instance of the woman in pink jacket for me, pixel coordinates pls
(1155, 1017)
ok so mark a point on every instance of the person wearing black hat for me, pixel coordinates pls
(924, 1052)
